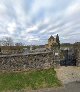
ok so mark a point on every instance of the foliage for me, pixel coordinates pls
(57, 40)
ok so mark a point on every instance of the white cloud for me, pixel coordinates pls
(38, 19)
(41, 4)
(12, 27)
(2, 8)
(73, 8)
(30, 38)
(4, 35)
(53, 26)
(31, 29)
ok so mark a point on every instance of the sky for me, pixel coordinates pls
(34, 21)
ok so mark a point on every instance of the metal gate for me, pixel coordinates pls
(69, 58)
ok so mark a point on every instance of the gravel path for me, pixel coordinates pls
(68, 74)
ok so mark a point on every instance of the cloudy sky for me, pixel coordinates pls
(33, 21)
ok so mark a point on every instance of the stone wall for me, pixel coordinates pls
(39, 60)
(26, 62)
(77, 54)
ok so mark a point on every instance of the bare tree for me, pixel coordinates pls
(19, 44)
(0, 42)
(7, 41)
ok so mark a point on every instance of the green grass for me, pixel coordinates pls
(29, 80)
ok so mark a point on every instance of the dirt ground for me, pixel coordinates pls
(68, 74)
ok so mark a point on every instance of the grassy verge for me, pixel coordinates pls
(29, 80)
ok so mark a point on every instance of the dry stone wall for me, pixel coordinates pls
(26, 62)
(78, 56)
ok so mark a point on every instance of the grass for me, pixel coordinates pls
(29, 80)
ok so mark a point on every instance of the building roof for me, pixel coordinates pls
(51, 37)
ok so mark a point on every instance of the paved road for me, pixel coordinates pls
(71, 87)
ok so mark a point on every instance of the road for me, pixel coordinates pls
(70, 87)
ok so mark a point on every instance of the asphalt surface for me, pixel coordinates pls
(71, 87)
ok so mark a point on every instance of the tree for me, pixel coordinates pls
(0, 42)
(57, 40)
(7, 41)
(19, 44)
